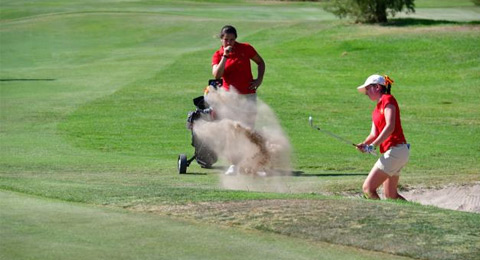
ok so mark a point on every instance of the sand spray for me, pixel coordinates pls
(248, 134)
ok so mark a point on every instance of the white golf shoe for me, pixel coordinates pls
(262, 174)
(232, 170)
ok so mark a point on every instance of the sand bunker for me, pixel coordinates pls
(463, 198)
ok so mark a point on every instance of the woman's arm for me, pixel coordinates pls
(260, 72)
(218, 69)
(371, 136)
(389, 113)
(368, 140)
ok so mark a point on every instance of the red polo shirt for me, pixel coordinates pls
(378, 118)
(238, 72)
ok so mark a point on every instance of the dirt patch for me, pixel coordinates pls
(463, 198)
(242, 212)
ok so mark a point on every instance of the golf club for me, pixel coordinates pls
(343, 140)
(310, 120)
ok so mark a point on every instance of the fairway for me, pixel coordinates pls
(94, 97)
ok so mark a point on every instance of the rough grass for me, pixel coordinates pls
(35, 228)
(409, 230)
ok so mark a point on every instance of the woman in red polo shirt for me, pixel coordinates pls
(232, 63)
(387, 134)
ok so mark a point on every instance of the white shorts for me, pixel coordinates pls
(393, 160)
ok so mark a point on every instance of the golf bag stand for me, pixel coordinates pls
(203, 154)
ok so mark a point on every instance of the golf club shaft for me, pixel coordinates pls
(334, 135)
(310, 120)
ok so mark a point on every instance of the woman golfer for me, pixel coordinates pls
(387, 134)
(231, 62)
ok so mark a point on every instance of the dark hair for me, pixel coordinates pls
(386, 89)
(228, 29)
(388, 85)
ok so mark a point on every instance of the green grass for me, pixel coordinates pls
(82, 232)
(411, 228)
(101, 119)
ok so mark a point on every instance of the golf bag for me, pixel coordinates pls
(203, 154)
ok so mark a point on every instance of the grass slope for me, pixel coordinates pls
(82, 232)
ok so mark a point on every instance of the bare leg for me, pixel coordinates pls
(374, 179)
(390, 188)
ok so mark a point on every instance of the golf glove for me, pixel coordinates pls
(369, 149)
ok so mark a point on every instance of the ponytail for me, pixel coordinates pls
(388, 84)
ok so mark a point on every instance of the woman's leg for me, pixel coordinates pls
(390, 188)
(374, 179)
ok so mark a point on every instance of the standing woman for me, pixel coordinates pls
(387, 134)
(232, 64)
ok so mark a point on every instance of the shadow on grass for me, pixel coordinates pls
(218, 169)
(302, 174)
(403, 22)
(27, 79)
(195, 173)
